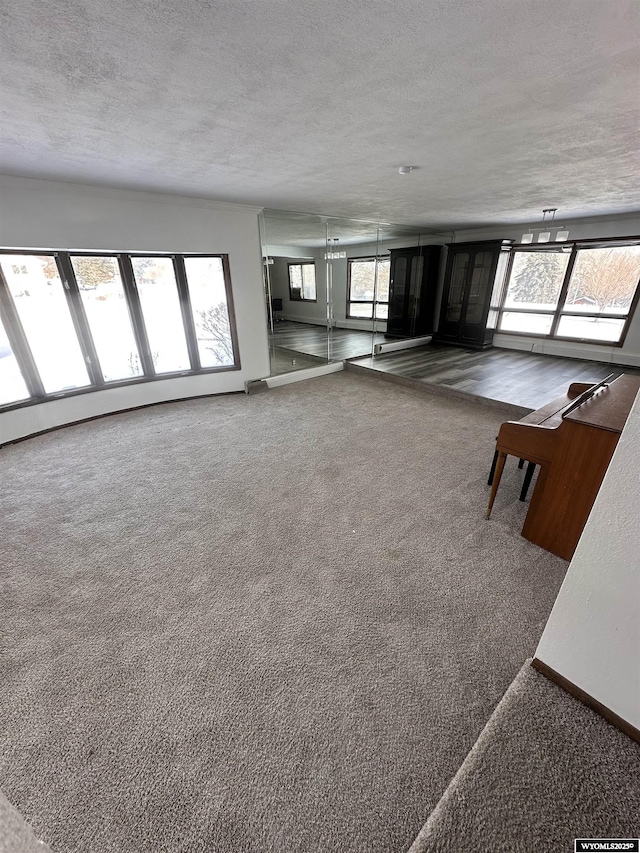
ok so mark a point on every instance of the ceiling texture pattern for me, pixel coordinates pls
(505, 107)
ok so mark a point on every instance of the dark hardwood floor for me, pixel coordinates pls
(510, 376)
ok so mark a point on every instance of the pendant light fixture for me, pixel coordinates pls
(545, 235)
(334, 250)
(548, 223)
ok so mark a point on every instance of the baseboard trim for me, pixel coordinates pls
(301, 375)
(584, 697)
(396, 346)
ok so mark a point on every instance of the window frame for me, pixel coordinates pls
(560, 311)
(373, 302)
(301, 264)
(62, 258)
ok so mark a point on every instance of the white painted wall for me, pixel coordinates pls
(54, 215)
(612, 226)
(592, 637)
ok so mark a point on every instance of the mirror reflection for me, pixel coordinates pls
(340, 289)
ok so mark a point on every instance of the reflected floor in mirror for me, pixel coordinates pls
(312, 340)
(286, 360)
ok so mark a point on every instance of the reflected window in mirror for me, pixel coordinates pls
(365, 298)
(302, 282)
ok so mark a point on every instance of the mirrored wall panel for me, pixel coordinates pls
(295, 287)
(339, 289)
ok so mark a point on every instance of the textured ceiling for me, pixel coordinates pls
(505, 106)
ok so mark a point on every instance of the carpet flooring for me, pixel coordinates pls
(545, 771)
(16, 836)
(274, 622)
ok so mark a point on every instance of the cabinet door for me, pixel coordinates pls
(454, 296)
(414, 292)
(477, 295)
(397, 295)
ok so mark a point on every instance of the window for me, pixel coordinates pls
(600, 293)
(12, 384)
(574, 292)
(102, 293)
(71, 323)
(160, 302)
(206, 282)
(302, 282)
(44, 313)
(367, 298)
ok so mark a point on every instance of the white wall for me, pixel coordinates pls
(612, 226)
(54, 215)
(592, 637)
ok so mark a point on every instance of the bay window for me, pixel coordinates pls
(76, 322)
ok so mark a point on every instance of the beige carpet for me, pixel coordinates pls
(258, 623)
(545, 771)
(16, 836)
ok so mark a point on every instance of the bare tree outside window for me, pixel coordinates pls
(216, 332)
(606, 277)
(210, 311)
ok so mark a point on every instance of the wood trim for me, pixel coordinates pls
(582, 696)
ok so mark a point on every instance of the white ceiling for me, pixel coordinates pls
(505, 106)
